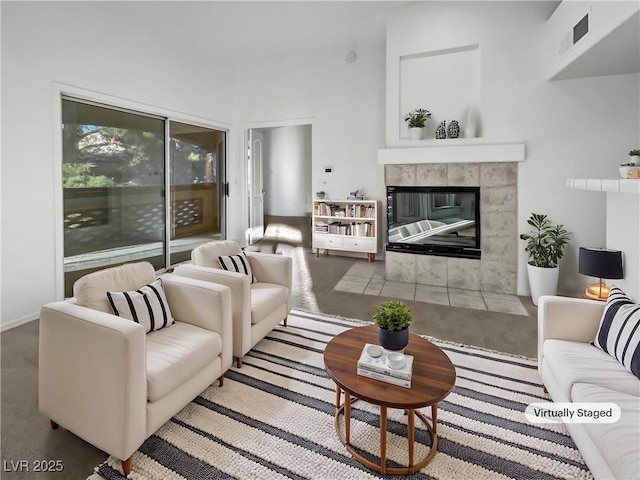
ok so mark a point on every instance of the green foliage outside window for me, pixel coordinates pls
(78, 175)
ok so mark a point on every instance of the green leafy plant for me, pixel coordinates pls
(417, 118)
(78, 175)
(546, 242)
(634, 153)
(392, 315)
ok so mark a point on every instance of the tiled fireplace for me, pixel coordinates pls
(496, 271)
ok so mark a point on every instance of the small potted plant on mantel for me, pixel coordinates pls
(416, 121)
(545, 245)
(634, 164)
(393, 319)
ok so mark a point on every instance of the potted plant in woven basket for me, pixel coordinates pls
(393, 319)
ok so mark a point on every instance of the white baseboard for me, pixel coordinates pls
(20, 321)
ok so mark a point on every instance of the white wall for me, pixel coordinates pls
(623, 233)
(344, 101)
(287, 172)
(571, 128)
(74, 44)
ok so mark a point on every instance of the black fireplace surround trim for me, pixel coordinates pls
(448, 252)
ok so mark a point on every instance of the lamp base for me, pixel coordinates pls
(597, 291)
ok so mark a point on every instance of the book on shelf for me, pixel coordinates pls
(379, 365)
(384, 378)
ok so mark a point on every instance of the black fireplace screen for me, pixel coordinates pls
(434, 220)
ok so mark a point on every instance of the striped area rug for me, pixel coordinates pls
(273, 419)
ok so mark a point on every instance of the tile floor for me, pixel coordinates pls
(369, 279)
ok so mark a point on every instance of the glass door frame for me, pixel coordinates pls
(61, 91)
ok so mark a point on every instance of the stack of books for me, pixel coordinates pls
(377, 368)
(321, 227)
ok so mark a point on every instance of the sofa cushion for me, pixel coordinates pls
(237, 263)
(619, 442)
(176, 354)
(579, 362)
(619, 330)
(147, 306)
(91, 290)
(265, 298)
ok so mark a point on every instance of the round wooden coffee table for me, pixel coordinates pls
(432, 379)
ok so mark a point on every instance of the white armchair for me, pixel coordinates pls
(110, 383)
(256, 307)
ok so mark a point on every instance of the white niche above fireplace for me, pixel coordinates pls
(475, 150)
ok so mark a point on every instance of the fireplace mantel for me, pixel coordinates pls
(462, 150)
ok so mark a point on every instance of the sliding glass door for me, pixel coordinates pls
(197, 168)
(115, 173)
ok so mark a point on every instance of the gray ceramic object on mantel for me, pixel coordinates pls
(441, 131)
(453, 129)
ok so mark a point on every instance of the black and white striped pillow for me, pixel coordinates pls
(237, 263)
(619, 331)
(147, 306)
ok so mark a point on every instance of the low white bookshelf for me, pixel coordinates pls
(345, 225)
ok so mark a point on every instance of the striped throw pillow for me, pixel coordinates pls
(237, 263)
(619, 331)
(147, 306)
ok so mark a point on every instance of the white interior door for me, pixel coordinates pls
(256, 187)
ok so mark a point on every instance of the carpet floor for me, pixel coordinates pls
(273, 419)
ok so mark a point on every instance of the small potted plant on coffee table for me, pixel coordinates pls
(393, 319)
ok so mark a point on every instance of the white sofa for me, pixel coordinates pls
(573, 370)
(256, 307)
(110, 383)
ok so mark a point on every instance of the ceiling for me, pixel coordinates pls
(231, 29)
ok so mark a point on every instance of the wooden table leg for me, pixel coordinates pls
(411, 429)
(383, 439)
(338, 392)
(434, 418)
(347, 417)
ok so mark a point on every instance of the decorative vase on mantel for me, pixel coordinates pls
(453, 129)
(470, 128)
(416, 133)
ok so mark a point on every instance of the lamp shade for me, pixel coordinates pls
(600, 262)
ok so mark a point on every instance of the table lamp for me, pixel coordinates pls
(601, 263)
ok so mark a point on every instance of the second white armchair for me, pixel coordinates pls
(260, 290)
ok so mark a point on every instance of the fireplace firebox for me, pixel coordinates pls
(442, 221)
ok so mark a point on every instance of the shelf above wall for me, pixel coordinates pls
(621, 185)
(461, 150)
